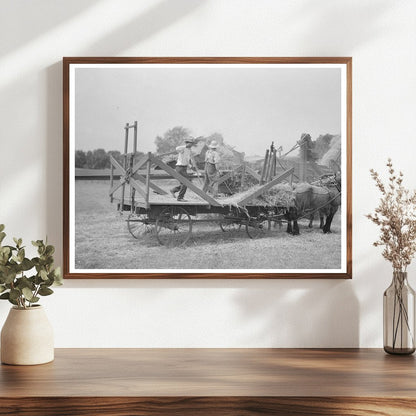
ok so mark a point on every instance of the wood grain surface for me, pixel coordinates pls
(212, 381)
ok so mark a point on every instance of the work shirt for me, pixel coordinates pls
(212, 156)
(184, 156)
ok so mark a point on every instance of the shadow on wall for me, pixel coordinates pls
(41, 17)
(300, 313)
(140, 28)
(54, 146)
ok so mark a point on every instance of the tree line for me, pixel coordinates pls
(100, 158)
(97, 159)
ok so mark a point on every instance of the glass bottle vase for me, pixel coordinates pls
(399, 316)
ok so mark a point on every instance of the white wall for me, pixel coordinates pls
(380, 35)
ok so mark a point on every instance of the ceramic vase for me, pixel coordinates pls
(27, 337)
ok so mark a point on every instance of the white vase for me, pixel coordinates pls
(27, 337)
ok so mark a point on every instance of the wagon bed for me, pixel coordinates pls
(172, 221)
(152, 210)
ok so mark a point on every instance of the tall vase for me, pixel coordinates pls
(27, 337)
(399, 316)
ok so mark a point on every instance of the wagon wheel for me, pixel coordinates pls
(258, 226)
(173, 227)
(139, 225)
(229, 225)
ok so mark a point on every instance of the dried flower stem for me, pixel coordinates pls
(396, 216)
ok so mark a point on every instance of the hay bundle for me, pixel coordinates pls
(280, 195)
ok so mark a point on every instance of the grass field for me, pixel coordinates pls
(103, 241)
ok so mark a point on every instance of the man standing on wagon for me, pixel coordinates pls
(184, 160)
(212, 159)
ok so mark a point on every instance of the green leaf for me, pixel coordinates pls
(43, 275)
(48, 282)
(5, 251)
(13, 302)
(2, 288)
(26, 264)
(37, 243)
(49, 250)
(27, 293)
(21, 255)
(17, 241)
(2, 236)
(4, 255)
(15, 294)
(58, 280)
(47, 260)
(38, 280)
(24, 282)
(7, 297)
(9, 277)
(45, 291)
(2, 227)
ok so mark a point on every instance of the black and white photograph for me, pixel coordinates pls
(208, 168)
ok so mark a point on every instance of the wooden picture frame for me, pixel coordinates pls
(295, 110)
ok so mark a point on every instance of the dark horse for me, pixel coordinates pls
(310, 199)
(333, 183)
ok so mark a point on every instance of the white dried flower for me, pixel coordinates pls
(396, 216)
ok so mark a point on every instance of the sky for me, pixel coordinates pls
(249, 106)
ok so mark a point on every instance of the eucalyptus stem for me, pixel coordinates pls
(23, 280)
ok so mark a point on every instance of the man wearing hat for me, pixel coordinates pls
(184, 160)
(211, 173)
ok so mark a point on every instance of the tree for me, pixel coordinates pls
(101, 160)
(90, 161)
(80, 159)
(171, 139)
(117, 156)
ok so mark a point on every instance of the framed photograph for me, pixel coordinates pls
(207, 168)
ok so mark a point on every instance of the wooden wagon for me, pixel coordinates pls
(153, 211)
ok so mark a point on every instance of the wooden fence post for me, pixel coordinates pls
(111, 181)
(149, 162)
(126, 141)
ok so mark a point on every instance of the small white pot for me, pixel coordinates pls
(27, 337)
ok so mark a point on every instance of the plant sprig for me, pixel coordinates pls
(16, 285)
(396, 217)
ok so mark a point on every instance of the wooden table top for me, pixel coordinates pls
(214, 372)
